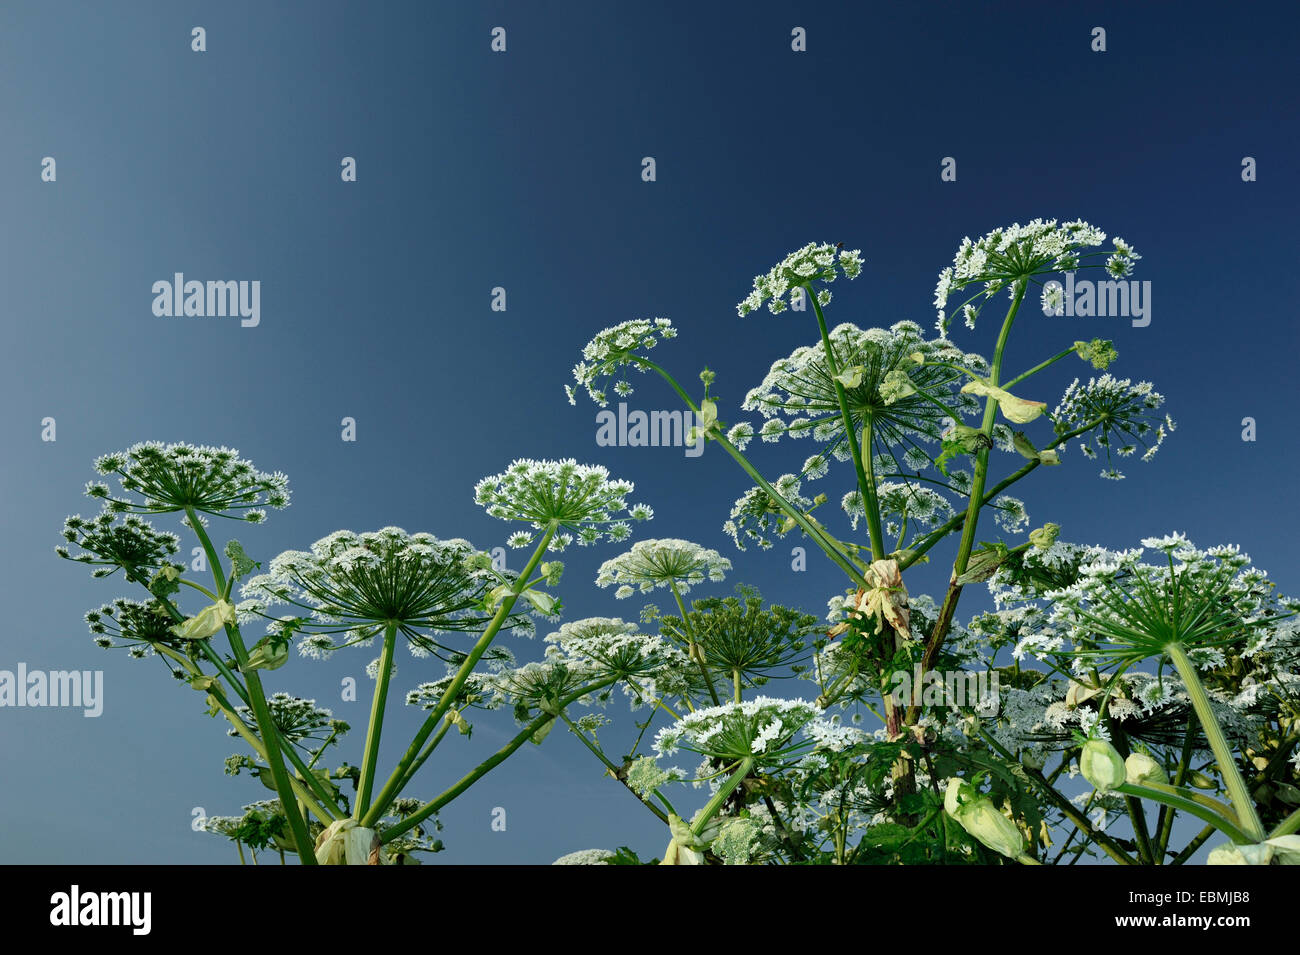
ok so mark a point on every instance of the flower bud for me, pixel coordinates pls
(1200, 780)
(268, 654)
(1102, 765)
(1046, 535)
(1140, 769)
(981, 819)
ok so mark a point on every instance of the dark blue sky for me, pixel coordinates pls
(522, 170)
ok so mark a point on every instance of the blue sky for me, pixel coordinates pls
(523, 170)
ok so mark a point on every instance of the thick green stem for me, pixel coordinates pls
(425, 754)
(373, 732)
(713, 805)
(1237, 791)
(1068, 808)
(393, 786)
(261, 711)
(1188, 850)
(949, 607)
(1204, 813)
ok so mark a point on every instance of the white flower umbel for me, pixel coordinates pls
(612, 352)
(798, 396)
(159, 478)
(1116, 415)
(812, 263)
(668, 562)
(579, 500)
(352, 586)
(585, 857)
(1016, 254)
(763, 729)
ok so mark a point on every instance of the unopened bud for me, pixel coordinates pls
(1102, 765)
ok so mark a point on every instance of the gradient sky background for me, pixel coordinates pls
(523, 170)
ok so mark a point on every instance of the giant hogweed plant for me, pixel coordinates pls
(443, 599)
(1166, 686)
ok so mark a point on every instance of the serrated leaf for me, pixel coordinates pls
(241, 564)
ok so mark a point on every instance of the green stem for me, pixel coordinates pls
(866, 484)
(1287, 826)
(1204, 813)
(1191, 847)
(713, 805)
(375, 729)
(613, 770)
(1036, 369)
(1237, 791)
(1067, 808)
(808, 527)
(1165, 821)
(261, 712)
(392, 787)
(322, 794)
(696, 652)
(425, 754)
(483, 768)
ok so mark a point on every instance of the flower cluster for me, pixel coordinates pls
(480, 690)
(612, 352)
(892, 378)
(1121, 609)
(137, 627)
(356, 584)
(297, 719)
(609, 648)
(763, 728)
(756, 517)
(1010, 257)
(579, 498)
(1118, 415)
(812, 263)
(176, 477)
(668, 562)
(111, 542)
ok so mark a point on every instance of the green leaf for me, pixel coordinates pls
(962, 439)
(1017, 410)
(708, 414)
(851, 377)
(1027, 449)
(984, 563)
(241, 564)
(544, 602)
